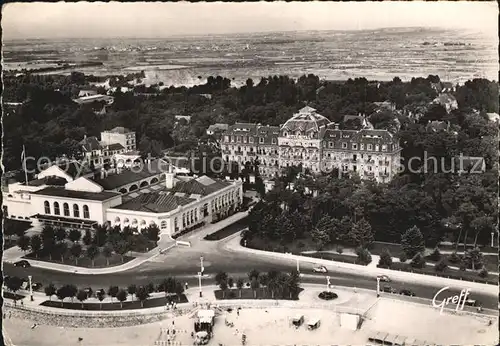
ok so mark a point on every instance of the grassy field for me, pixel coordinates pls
(448, 273)
(333, 257)
(108, 306)
(99, 262)
(248, 293)
(228, 230)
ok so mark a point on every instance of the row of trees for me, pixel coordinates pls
(54, 242)
(279, 284)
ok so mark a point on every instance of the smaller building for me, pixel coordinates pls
(95, 98)
(217, 128)
(120, 135)
(448, 101)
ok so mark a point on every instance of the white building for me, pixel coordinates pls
(120, 135)
(151, 195)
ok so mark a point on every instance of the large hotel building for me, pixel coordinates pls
(310, 139)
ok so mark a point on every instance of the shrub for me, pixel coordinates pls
(340, 249)
(483, 273)
(418, 261)
(364, 256)
(454, 258)
(462, 266)
(435, 255)
(403, 258)
(441, 266)
(385, 259)
(326, 295)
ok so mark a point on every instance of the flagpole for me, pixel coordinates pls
(24, 166)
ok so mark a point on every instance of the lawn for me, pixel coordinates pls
(448, 273)
(228, 230)
(333, 257)
(248, 293)
(99, 262)
(109, 306)
(394, 249)
(490, 262)
(8, 243)
(10, 295)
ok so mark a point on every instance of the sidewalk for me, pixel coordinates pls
(233, 245)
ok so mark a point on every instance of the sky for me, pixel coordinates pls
(157, 20)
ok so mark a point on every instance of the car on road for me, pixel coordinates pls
(22, 263)
(471, 302)
(320, 269)
(36, 286)
(407, 292)
(389, 289)
(384, 278)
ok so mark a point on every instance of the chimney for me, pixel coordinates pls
(170, 178)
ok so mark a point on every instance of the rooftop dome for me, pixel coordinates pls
(305, 120)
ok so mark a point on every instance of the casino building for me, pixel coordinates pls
(310, 139)
(153, 194)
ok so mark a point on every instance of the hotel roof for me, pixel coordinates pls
(119, 129)
(130, 176)
(62, 192)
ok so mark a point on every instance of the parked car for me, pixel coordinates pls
(407, 292)
(389, 289)
(472, 302)
(384, 278)
(320, 269)
(36, 286)
(22, 263)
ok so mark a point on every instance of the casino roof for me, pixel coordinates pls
(74, 194)
(155, 202)
(305, 120)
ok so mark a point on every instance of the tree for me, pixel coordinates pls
(220, 277)
(100, 236)
(179, 290)
(441, 266)
(62, 248)
(230, 282)
(142, 294)
(473, 258)
(62, 293)
(87, 238)
(418, 261)
(60, 234)
(72, 290)
(35, 244)
(74, 235)
(132, 289)
(92, 252)
(100, 296)
(121, 248)
(239, 285)
(435, 255)
(81, 296)
(24, 243)
(385, 260)
(121, 296)
(107, 253)
(254, 284)
(113, 291)
(50, 290)
(321, 233)
(364, 256)
(361, 233)
(253, 274)
(14, 284)
(483, 273)
(76, 251)
(412, 242)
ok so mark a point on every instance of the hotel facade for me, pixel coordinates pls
(312, 140)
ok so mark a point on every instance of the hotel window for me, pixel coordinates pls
(238, 139)
(377, 147)
(354, 146)
(226, 138)
(261, 140)
(86, 213)
(330, 144)
(273, 141)
(344, 145)
(368, 147)
(47, 207)
(76, 210)
(384, 147)
(244, 139)
(250, 139)
(57, 211)
(285, 134)
(361, 146)
(232, 139)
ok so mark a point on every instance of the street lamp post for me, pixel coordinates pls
(492, 239)
(31, 288)
(378, 287)
(298, 266)
(327, 283)
(200, 274)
